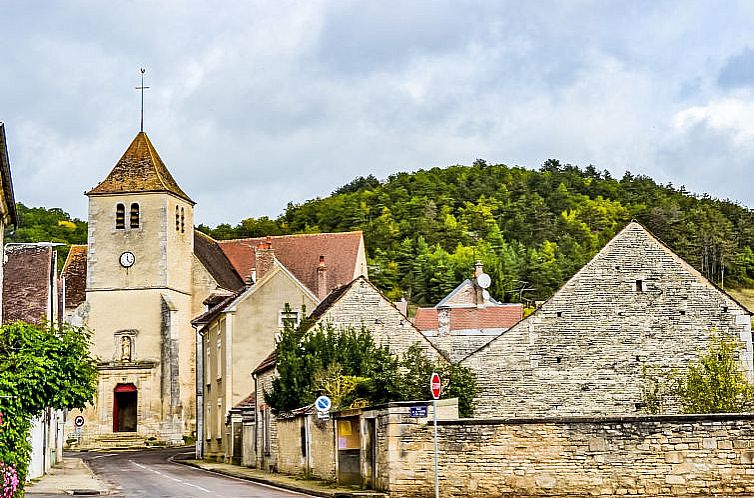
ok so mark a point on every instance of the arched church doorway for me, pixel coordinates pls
(124, 408)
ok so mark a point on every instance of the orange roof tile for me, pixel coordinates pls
(472, 318)
(300, 255)
(140, 169)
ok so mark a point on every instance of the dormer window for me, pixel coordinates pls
(134, 215)
(120, 217)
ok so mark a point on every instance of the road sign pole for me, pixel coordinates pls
(435, 387)
(437, 478)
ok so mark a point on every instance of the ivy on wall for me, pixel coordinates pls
(41, 366)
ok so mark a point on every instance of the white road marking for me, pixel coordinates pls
(169, 477)
(102, 456)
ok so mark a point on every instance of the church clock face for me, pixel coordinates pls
(127, 259)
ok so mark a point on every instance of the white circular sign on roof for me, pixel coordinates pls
(483, 280)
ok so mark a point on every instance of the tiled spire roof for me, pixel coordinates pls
(139, 170)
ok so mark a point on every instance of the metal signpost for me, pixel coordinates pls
(323, 405)
(435, 385)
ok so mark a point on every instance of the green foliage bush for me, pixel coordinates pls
(713, 383)
(40, 367)
(304, 357)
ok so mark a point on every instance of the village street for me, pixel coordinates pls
(152, 474)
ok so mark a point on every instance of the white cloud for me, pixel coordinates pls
(256, 104)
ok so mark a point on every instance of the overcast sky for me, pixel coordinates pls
(256, 104)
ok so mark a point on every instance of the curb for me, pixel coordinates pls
(268, 482)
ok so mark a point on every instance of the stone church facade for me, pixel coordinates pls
(143, 276)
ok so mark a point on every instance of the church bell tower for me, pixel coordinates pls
(138, 295)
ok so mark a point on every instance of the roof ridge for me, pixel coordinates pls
(243, 239)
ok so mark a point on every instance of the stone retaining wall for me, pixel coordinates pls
(660, 455)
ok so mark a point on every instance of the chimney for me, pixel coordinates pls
(265, 257)
(402, 306)
(443, 321)
(478, 268)
(322, 289)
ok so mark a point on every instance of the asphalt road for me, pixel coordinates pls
(151, 474)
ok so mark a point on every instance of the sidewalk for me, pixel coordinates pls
(70, 475)
(307, 486)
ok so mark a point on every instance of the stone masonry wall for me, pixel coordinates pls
(665, 456)
(320, 462)
(582, 353)
(363, 305)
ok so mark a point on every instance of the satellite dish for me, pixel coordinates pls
(485, 295)
(483, 280)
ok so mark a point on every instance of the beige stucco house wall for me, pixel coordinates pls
(236, 340)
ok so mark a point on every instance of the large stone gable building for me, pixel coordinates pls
(635, 303)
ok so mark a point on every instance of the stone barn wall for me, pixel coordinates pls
(582, 353)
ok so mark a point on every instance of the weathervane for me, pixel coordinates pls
(142, 88)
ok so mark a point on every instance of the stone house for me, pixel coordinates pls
(357, 304)
(290, 273)
(7, 200)
(467, 318)
(30, 295)
(635, 304)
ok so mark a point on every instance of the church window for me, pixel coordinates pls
(134, 215)
(120, 216)
(182, 220)
(177, 219)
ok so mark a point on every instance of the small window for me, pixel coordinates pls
(559, 314)
(640, 285)
(177, 219)
(182, 221)
(288, 318)
(134, 215)
(120, 217)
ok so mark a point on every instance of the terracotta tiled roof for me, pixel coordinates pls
(139, 170)
(74, 272)
(249, 400)
(490, 317)
(6, 182)
(266, 364)
(300, 254)
(216, 262)
(27, 276)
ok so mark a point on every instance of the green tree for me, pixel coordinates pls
(714, 383)
(40, 367)
(348, 366)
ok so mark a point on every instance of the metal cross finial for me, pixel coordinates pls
(142, 88)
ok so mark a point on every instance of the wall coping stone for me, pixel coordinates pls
(696, 417)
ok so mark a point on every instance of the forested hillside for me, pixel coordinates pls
(38, 224)
(532, 229)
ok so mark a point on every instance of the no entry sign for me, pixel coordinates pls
(435, 385)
